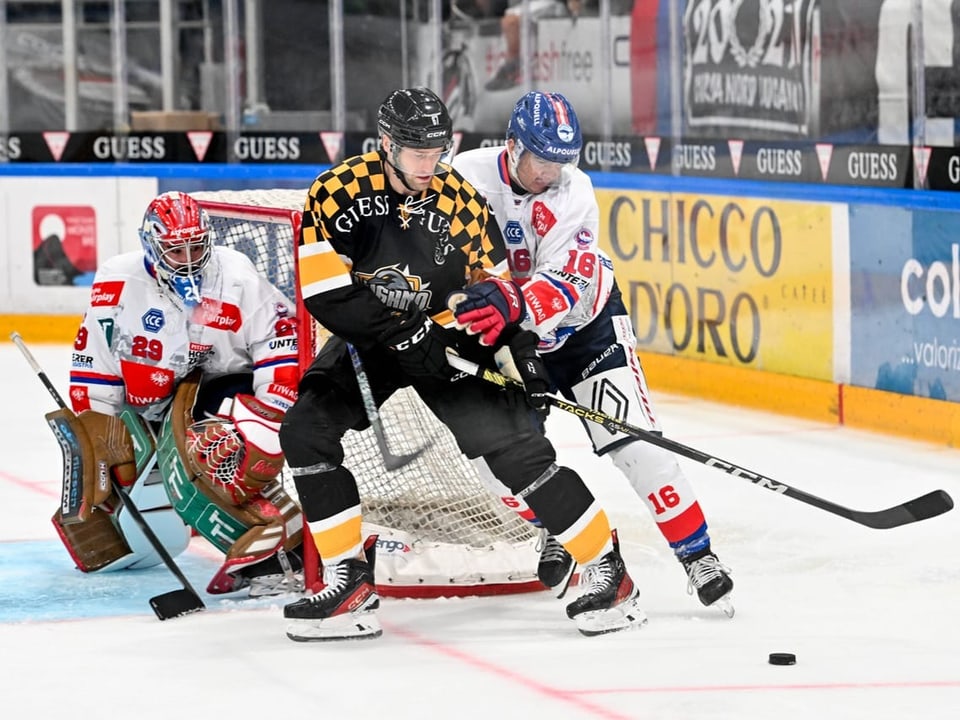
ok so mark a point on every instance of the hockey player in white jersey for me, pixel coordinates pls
(186, 362)
(568, 295)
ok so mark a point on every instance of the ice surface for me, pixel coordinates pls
(872, 615)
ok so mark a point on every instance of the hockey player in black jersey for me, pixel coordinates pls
(387, 236)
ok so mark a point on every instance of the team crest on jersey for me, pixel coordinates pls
(153, 320)
(398, 289)
(513, 233)
(584, 238)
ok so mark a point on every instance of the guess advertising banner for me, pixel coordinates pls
(742, 281)
(905, 301)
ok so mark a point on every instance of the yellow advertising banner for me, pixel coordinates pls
(742, 281)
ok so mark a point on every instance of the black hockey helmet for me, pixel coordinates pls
(416, 118)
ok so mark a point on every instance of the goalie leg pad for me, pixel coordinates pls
(254, 546)
(94, 544)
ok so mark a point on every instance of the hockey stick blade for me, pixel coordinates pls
(391, 461)
(921, 508)
(176, 603)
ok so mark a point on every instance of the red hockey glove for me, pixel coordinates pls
(487, 307)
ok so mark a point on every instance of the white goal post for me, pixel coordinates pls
(441, 532)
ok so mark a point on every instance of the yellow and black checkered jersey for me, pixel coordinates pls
(368, 253)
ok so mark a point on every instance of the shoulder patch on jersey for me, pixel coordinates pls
(106, 294)
(584, 238)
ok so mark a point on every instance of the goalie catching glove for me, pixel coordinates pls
(487, 308)
(239, 451)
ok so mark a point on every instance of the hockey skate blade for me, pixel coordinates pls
(176, 603)
(350, 626)
(625, 616)
(276, 585)
(572, 577)
(725, 605)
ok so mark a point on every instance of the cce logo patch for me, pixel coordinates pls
(152, 320)
(513, 233)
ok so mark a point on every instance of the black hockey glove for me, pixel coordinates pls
(419, 346)
(529, 367)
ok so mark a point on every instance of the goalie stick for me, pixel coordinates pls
(390, 460)
(166, 605)
(926, 506)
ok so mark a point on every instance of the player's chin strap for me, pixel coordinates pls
(927, 506)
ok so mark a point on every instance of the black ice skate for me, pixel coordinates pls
(711, 580)
(556, 566)
(342, 610)
(609, 602)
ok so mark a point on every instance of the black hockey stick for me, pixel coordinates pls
(390, 460)
(167, 605)
(926, 506)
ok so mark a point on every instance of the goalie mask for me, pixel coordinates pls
(175, 235)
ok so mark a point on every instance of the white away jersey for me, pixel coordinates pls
(551, 244)
(136, 342)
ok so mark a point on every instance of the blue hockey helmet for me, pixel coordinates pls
(546, 125)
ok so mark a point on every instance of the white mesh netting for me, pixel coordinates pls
(440, 529)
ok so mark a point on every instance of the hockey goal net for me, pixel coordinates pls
(441, 532)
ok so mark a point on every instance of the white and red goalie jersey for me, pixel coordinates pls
(136, 341)
(551, 243)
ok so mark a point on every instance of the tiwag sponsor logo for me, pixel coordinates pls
(106, 294)
(219, 315)
(145, 384)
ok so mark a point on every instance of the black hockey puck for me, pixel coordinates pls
(783, 659)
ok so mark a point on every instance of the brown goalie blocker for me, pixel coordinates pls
(95, 448)
(167, 605)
